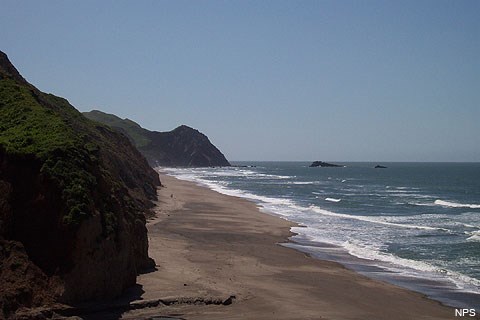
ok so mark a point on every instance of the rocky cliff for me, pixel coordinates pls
(73, 198)
(182, 147)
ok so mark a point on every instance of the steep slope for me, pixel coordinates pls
(183, 146)
(136, 134)
(73, 194)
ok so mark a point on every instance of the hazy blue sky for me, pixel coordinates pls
(267, 80)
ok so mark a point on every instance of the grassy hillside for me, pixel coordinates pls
(131, 129)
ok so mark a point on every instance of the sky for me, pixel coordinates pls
(267, 80)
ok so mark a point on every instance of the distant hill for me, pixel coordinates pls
(181, 147)
(73, 198)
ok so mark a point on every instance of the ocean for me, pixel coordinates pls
(416, 225)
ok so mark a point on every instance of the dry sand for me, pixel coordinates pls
(210, 246)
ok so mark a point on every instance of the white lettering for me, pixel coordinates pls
(465, 312)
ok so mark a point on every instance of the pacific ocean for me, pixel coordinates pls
(414, 224)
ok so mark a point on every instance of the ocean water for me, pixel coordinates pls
(416, 225)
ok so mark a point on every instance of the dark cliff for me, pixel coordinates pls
(182, 147)
(73, 198)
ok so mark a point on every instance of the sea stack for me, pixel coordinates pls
(324, 164)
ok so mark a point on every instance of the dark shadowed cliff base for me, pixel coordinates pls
(218, 258)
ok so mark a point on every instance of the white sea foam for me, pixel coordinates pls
(251, 196)
(195, 173)
(233, 173)
(316, 235)
(362, 251)
(303, 182)
(333, 199)
(449, 204)
(377, 220)
(474, 235)
(374, 253)
(272, 176)
(461, 281)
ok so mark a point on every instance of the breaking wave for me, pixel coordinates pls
(449, 204)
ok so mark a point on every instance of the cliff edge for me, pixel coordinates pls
(73, 198)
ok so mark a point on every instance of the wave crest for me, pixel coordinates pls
(449, 204)
(332, 199)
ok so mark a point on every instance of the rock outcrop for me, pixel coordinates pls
(181, 147)
(73, 198)
(324, 164)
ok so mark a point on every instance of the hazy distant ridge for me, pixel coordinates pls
(181, 147)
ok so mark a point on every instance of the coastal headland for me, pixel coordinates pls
(218, 257)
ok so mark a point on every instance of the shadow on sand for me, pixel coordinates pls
(106, 310)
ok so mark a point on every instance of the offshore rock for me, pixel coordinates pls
(324, 164)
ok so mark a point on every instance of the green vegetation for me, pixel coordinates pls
(73, 198)
(183, 146)
(84, 160)
(29, 128)
(137, 134)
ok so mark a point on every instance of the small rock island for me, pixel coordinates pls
(323, 164)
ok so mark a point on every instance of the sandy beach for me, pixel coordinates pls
(218, 257)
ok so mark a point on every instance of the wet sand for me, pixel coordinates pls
(212, 249)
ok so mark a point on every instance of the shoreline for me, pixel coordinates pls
(449, 296)
(448, 287)
(212, 246)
